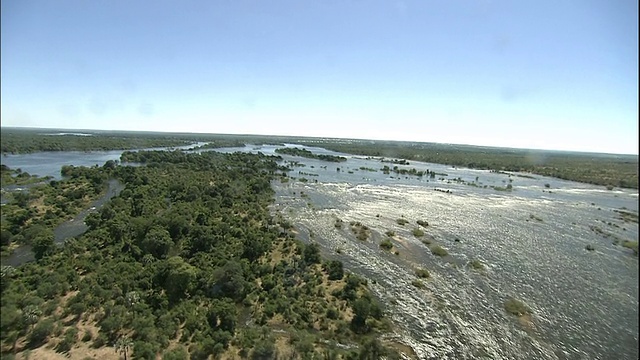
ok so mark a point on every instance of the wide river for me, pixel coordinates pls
(531, 240)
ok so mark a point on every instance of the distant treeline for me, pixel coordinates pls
(18, 141)
(308, 154)
(599, 169)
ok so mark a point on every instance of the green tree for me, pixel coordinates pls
(180, 278)
(123, 345)
(157, 242)
(43, 245)
(311, 254)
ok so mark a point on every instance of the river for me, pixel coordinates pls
(531, 241)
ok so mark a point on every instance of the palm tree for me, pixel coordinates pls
(123, 345)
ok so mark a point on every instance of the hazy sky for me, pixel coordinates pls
(534, 74)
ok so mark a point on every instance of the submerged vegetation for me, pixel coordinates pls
(599, 169)
(187, 262)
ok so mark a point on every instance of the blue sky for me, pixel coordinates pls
(535, 74)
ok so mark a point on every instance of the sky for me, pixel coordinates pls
(559, 75)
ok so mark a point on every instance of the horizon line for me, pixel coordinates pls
(583, 152)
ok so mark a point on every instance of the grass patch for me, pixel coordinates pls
(438, 251)
(516, 307)
(477, 265)
(361, 231)
(417, 232)
(633, 245)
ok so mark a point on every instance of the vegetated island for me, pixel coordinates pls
(186, 262)
(308, 154)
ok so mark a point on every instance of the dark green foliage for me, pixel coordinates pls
(311, 253)
(179, 353)
(334, 269)
(308, 154)
(40, 332)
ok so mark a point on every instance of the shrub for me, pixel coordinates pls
(402, 221)
(390, 233)
(439, 251)
(423, 273)
(417, 232)
(516, 307)
(590, 247)
(40, 332)
(476, 264)
(386, 244)
(422, 223)
(87, 336)
(417, 283)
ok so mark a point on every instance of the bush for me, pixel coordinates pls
(439, 251)
(390, 233)
(590, 247)
(386, 244)
(423, 273)
(422, 223)
(87, 336)
(334, 269)
(178, 353)
(417, 232)
(417, 283)
(516, 307)
(402, 221)
(40, 332)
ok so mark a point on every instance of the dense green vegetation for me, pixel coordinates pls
(187, 262)
(31, 215)
(599, 169)
(18, 177)
(308, 154)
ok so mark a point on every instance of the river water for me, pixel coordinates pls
(531, 240)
